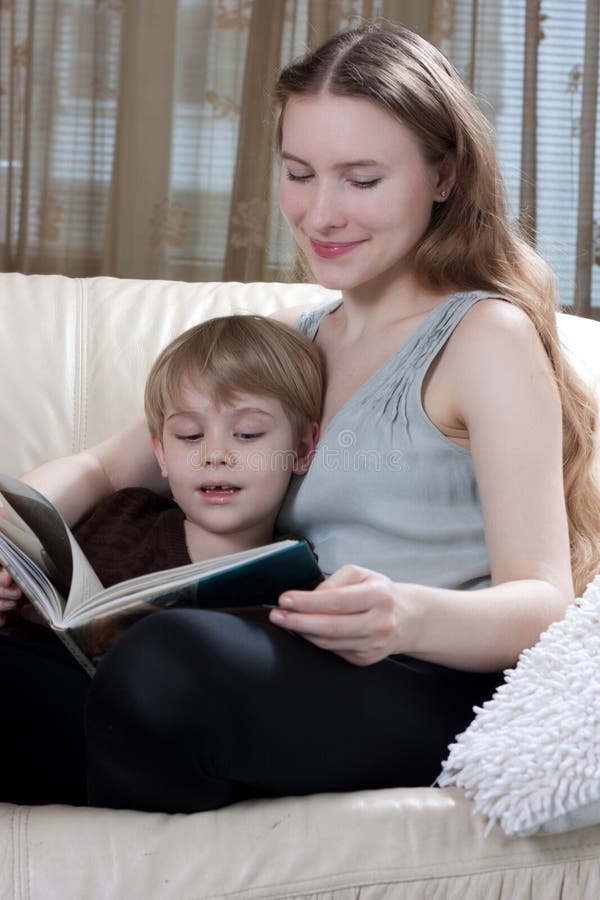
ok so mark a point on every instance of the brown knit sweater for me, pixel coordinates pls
(133, 532)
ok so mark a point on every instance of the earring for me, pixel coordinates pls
(443, 194)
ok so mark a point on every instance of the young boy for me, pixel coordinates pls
(232, 407)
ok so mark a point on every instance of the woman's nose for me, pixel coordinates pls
(325, 210)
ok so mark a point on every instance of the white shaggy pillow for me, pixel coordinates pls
(531, 757)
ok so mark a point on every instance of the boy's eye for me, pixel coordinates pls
(249, 435)
(189, 437)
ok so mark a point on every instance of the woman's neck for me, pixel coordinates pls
(373, 308)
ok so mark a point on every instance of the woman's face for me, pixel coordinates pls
(355, 189)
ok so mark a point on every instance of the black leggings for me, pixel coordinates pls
(193, 710)
(42, 750)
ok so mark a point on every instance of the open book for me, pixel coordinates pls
(41, 553)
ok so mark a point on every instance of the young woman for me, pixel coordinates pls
(451, 500)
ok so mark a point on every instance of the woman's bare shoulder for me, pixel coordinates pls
(497, 343)
(494, 328)
(494, 351)
(496, 318)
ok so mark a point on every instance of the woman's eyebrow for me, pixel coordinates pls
(344, 165)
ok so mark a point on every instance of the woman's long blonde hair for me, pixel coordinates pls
(470, 243)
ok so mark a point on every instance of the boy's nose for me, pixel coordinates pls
(218, 455)
(216, 450)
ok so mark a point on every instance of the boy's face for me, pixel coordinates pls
(229, 465)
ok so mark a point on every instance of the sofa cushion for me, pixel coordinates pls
(398, 844)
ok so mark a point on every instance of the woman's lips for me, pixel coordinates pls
(333, 249)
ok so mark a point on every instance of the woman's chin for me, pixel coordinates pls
(333, 280)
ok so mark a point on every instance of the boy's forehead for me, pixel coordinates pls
(207, 398)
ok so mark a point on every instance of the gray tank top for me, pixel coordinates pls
(386, 489)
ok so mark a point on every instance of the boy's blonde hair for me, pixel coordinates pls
(239, 354)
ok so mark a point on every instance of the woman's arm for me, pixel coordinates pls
(502, 388)
(76, 484)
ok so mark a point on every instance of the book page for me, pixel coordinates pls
(38, 518)
(241, 580)
(247, 587)
(31, 577)
(26, 540)
(145, 587)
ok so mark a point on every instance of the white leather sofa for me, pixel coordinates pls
(74, 354)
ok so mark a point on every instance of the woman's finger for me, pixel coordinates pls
(360, 650)
(351, 599)
(346, 575)
(329, 626)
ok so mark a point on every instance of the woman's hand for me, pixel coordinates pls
(359, 614)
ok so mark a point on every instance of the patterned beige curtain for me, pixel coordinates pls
(58, 98)
(136, 136)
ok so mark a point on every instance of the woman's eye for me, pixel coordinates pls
(291, 177)
(366, 184)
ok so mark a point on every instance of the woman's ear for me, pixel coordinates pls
(157, 447)
(306, 448)
(446, 177)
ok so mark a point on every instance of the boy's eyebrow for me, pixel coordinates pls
(344, 165)
(251, 409)
(236, 410)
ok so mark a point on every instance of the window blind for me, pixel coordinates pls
(487, 45)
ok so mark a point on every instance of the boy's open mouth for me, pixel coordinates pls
(219, 487)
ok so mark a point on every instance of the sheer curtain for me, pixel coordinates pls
(136, 136)
(534, 66)
(59, 84)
